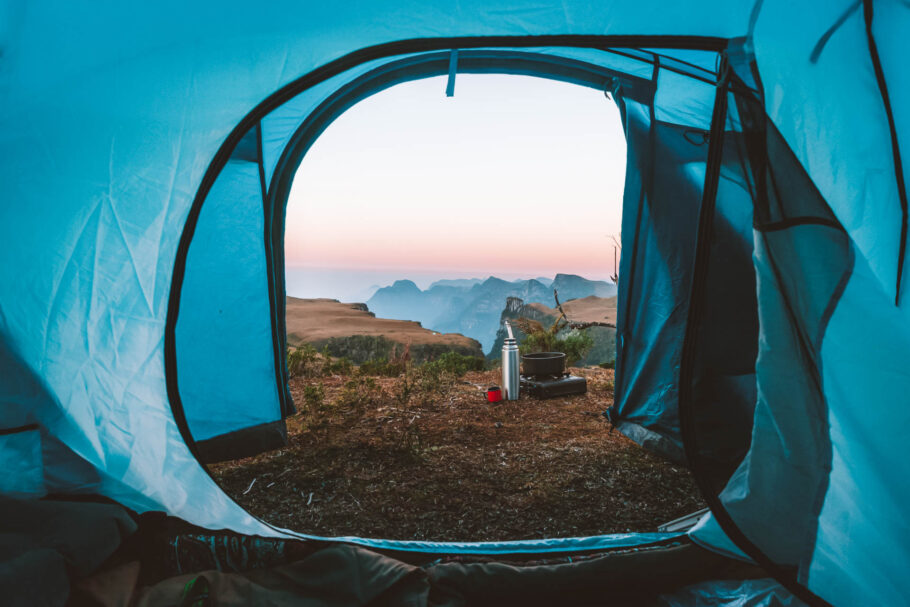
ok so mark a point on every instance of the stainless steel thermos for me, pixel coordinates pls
(510, 363)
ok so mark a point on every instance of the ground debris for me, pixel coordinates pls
(454, 467)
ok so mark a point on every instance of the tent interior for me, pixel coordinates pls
(155, 164)
(221, 401)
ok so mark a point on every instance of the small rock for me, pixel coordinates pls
(498, 424)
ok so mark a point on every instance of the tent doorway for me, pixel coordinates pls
(667, 103)
(401, 443)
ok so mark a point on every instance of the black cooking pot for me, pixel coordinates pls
(543, 363)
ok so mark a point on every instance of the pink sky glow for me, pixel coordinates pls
(512, 175)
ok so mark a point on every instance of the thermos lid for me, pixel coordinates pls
(510, 342)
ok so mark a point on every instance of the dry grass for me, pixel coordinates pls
(316, 320)
(378, 460)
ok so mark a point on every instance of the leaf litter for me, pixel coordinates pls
(446, 465)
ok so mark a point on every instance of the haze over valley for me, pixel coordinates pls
(464, 314)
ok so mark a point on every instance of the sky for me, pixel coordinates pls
(514, 176)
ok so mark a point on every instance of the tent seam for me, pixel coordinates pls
(895, 145)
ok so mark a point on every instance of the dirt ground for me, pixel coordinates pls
(450, 466)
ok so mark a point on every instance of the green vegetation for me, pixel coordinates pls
(313, 396)
(604, 350)
(357, 393)
(315, 411)
(306, 361)
(335, 366)
(302, 361)
(434, 377)
(603, 338)
(575, 344)
(416, 383)
(383, 368)
(408, 387)
(424, 380)
(362, 349)
(456, 364)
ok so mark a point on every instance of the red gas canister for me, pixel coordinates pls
(494, 394)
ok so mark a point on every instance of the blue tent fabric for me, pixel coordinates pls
(791, 223)
(126, 173)
(732, 593)
(226, 368)
(656, 270)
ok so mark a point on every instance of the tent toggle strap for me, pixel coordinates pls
(611, 87)
(453, 68)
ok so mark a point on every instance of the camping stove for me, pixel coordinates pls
(550, 386)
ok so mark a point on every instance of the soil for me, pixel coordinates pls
(449, 466)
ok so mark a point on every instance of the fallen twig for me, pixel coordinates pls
(470, 383)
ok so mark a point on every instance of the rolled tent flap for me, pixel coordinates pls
(668, 141)
(852, 152)
(656, 272)
(226, 349)
(751, 459)
(812, 494)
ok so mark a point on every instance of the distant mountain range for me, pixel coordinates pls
(473, 307)
(456, 282)
(351, 330)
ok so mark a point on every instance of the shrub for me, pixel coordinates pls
(575, 344)
(357, 393)
(315, 412)
(459, 364)
(302, 361)
(431, 377)
(382, 368)
(425, 381)
(393, 366)
(410, 441)
(436, 376)
(406, 387)
(335, 366)
(360, 348)
(342, 366)
(306, 361)
(313, 396)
